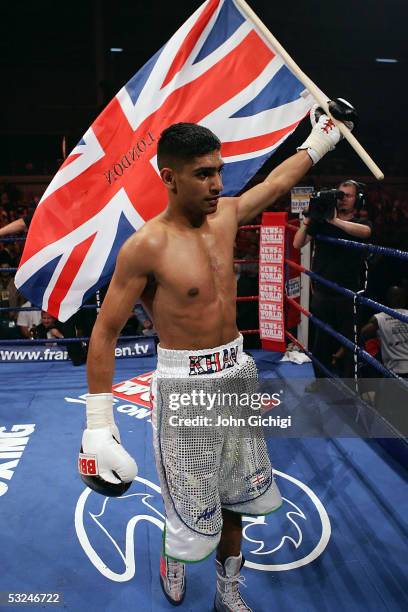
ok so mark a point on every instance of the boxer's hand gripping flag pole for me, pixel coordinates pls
(319, 96)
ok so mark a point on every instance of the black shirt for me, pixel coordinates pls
(40, 331)
(28, 218)
(339, 264)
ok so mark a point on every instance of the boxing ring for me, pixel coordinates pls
(337, 543)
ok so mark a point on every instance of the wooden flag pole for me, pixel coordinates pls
(319, 96)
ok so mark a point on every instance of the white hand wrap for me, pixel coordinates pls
(99, 410)
(322, 139)
(101, 440)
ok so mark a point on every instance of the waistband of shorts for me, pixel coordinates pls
(199, 362)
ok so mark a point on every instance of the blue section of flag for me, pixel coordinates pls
(235, 175)
(138, 81)
(228, 20)
(38, 282)
(125, 229)
(282, 89)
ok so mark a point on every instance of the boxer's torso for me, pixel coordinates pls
(192, 299)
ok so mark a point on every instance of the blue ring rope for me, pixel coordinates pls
(352, 294)
(353, 347)
(31, 341)
(13, 239)
(371, 248)
(36, 308)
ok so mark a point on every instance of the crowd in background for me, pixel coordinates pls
(386, 206)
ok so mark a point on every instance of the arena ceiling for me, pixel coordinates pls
(57, 69)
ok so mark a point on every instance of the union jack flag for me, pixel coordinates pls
(217, 70)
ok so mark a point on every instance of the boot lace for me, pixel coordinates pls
(175, 572)
(231, 596)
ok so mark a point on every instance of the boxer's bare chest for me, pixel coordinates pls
(197, 265)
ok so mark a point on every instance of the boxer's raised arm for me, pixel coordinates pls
(127, 284)
(323, 138)
(277, 183)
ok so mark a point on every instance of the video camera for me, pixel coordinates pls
(323, 204)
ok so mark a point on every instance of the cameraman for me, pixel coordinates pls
(340, 265)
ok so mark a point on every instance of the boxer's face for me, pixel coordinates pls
(197, 184)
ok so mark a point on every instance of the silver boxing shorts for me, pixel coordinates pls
(207, 456)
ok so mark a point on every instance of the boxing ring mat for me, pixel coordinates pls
(337, 543)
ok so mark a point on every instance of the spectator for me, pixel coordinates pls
(340, 265)
(6, 258)
(49, 327)
(140, 313)
(9, 298)
(18, 226)
(392, 332)
(391, 398)
(27, 320)
(147, 328)
(15, 227)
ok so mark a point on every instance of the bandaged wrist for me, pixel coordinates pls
(317, 145)
(99, 410)
(322, 139)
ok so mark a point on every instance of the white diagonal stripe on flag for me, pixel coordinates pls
(102, 222)
(95, 260)
(151, 99)
(90, 152)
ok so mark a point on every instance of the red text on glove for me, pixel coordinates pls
(87, 465)
(328, 125)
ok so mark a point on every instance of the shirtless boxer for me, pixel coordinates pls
(188, 251)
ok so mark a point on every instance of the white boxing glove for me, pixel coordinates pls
(325, 135)
(105, 466)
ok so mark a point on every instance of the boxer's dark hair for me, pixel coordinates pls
(183, 142)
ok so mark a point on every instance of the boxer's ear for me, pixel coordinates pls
(168, 178)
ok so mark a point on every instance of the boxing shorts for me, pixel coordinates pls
(207, 457)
